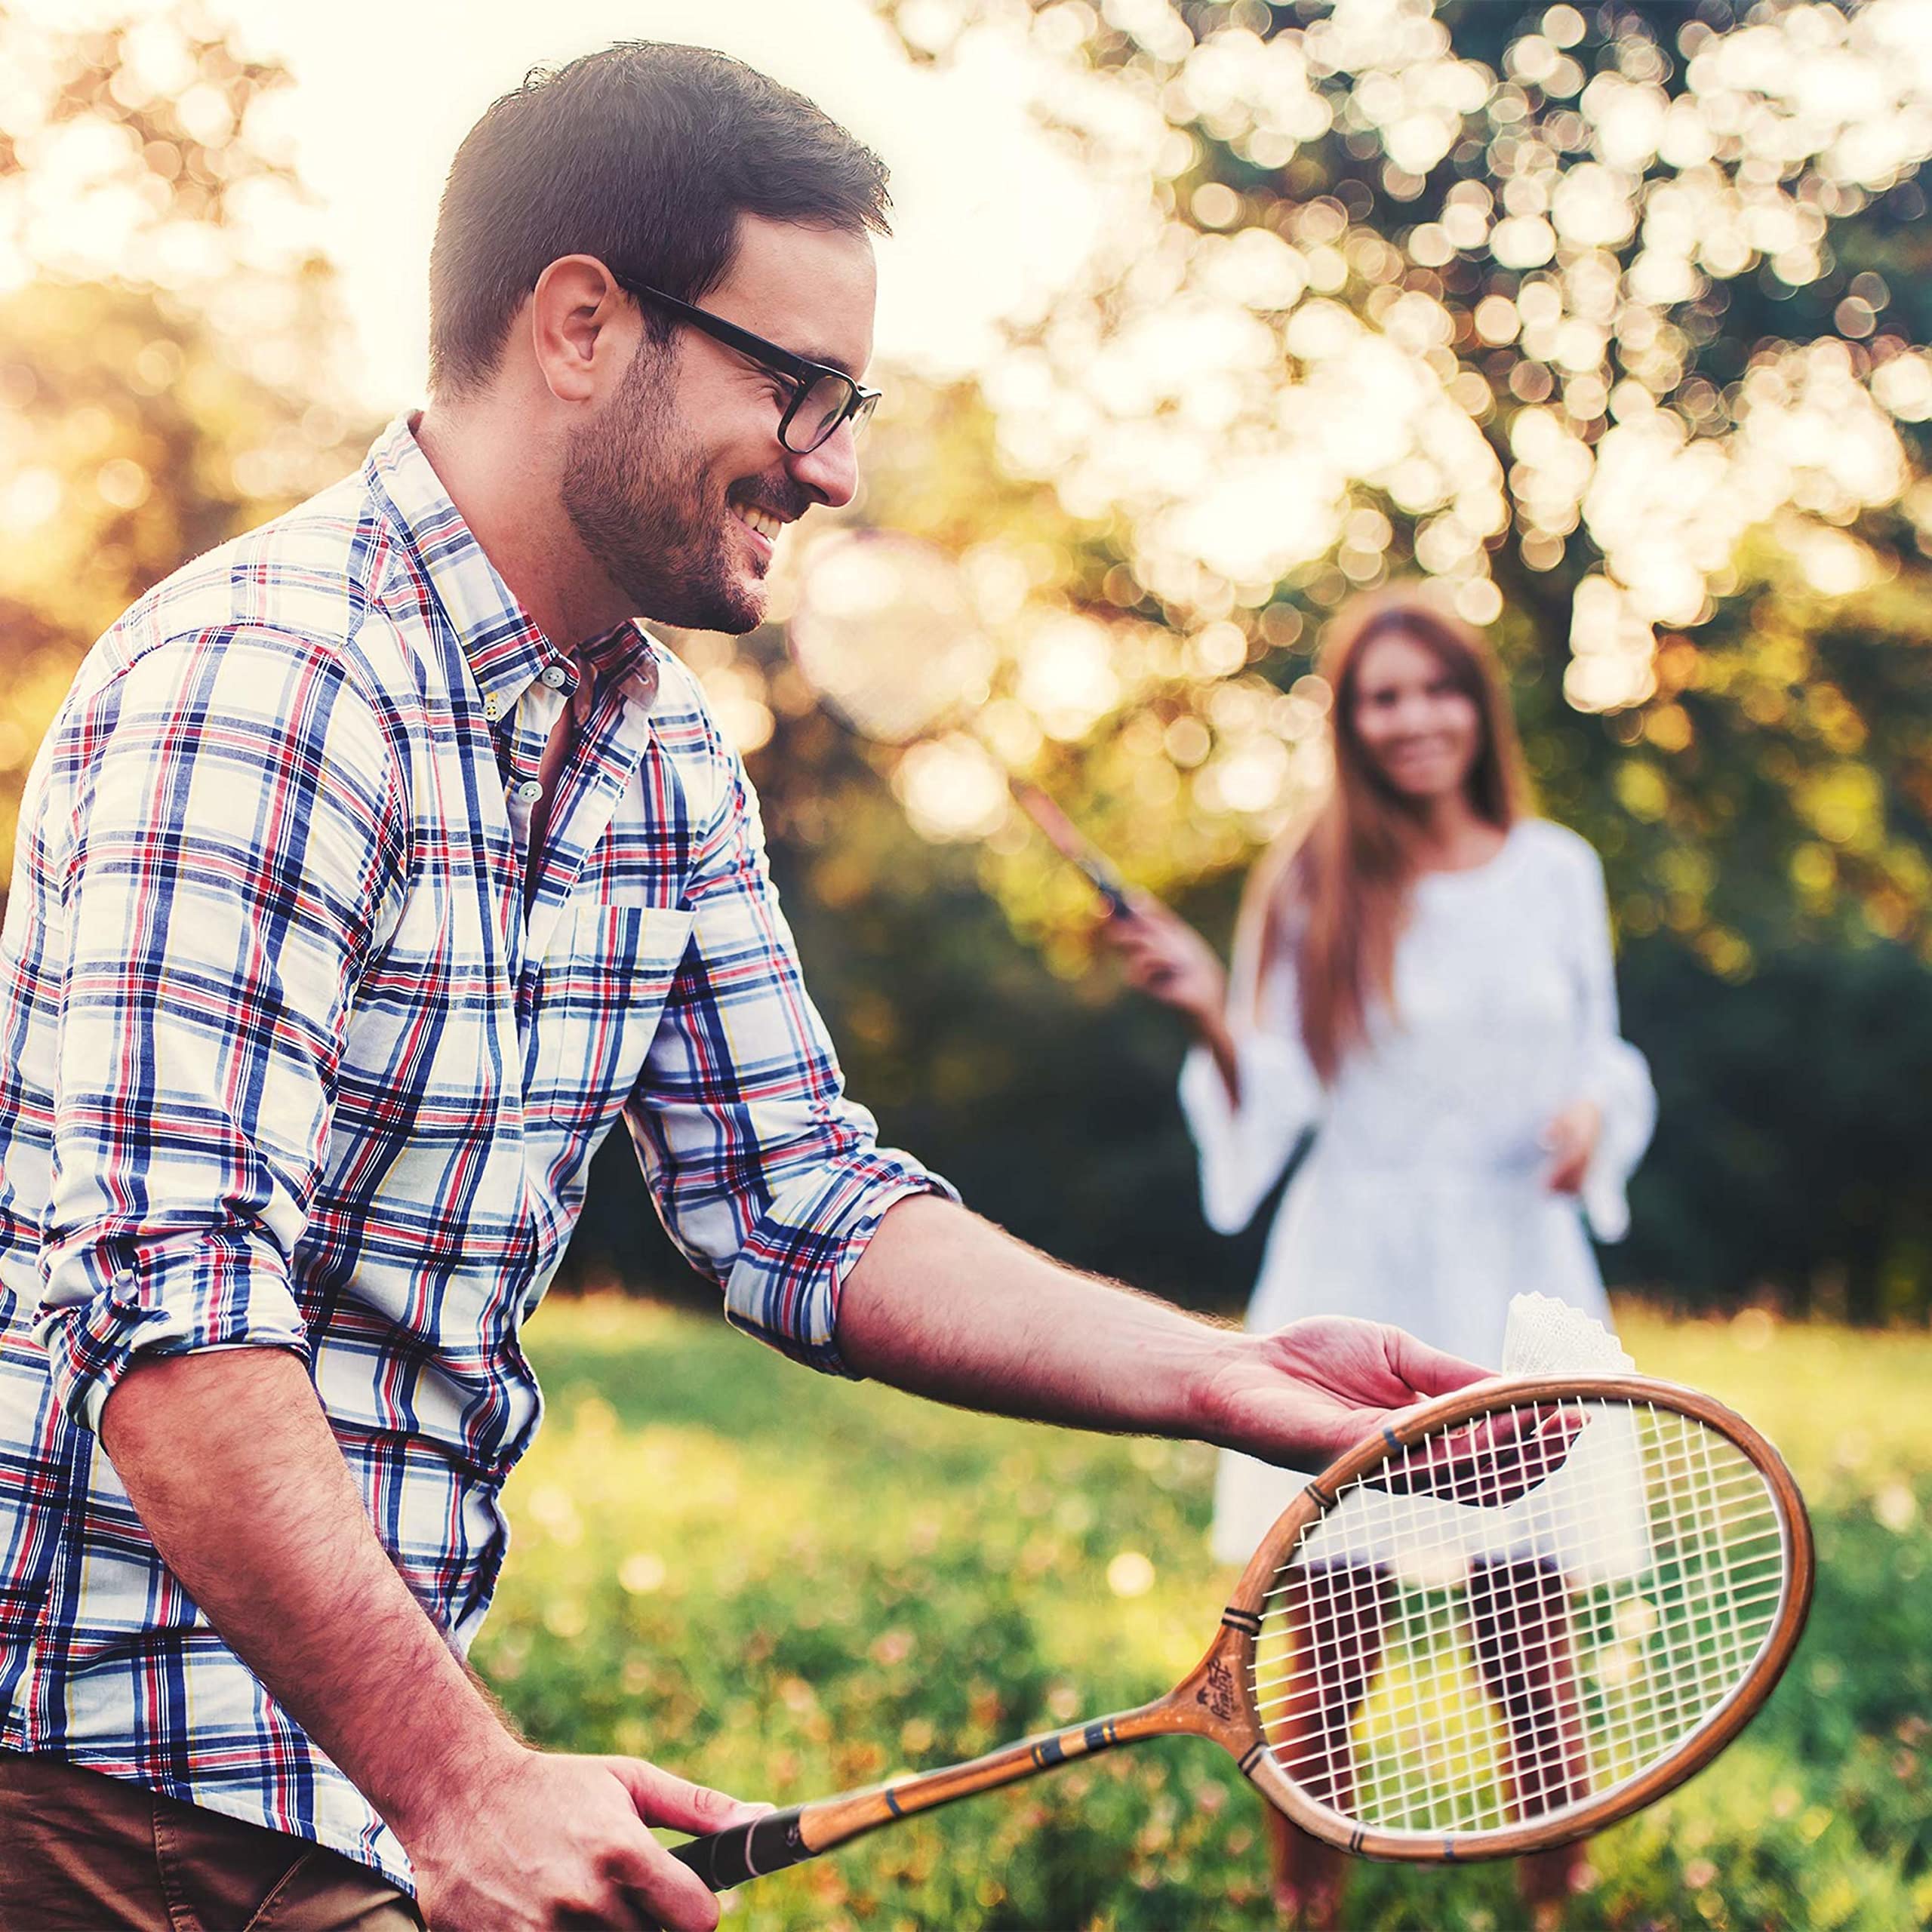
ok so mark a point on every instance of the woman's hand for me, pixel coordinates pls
(1571, 1140)
(1163, 956)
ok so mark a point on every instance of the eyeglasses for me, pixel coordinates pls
(822, 398)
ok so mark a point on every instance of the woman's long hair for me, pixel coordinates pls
(1335, 891)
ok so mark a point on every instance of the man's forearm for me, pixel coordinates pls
(944, 1304)
(947, 1305)
(231, 1465)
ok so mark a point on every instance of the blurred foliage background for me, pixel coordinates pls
(1611, 325)
(1608, 324)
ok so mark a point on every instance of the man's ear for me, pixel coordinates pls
(583, 328)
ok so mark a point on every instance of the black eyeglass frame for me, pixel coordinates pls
(801, 372)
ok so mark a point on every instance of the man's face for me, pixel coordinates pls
(678, 487)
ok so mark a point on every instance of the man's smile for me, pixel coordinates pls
(764, 522)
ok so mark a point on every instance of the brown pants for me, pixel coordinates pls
(82, 1853)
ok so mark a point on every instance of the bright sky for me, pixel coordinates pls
(985, 214)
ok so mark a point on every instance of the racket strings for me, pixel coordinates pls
(1532, 1655)
(1453, 1648)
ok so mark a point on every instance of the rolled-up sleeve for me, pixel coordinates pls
(231, 830)
(765, 1174)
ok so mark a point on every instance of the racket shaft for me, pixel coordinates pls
(725, 1859)
(1066, 839)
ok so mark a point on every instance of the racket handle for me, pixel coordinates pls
(1068, 842)
(725, 1859)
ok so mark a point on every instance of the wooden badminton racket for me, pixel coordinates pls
(1519, 1613)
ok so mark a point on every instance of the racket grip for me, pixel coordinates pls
(725, 1859)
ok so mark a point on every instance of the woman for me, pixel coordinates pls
(1424, 982)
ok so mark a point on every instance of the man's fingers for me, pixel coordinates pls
(1491, 1462)
(674, 1894)
(668, 1894)
(662, 1799)
(1430, 1371)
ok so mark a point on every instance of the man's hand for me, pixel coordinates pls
(1318, 1386)
(232, 1465)
(947, 1305)
(562, 1842)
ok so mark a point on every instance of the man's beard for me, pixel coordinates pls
(636, 488)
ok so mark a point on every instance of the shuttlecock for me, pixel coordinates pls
(1546, 1336)
(1590, 1517)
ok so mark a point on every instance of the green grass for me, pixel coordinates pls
(787, 1585)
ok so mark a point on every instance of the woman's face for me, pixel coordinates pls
(1421, 732)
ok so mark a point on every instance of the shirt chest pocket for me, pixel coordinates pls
(608, 972)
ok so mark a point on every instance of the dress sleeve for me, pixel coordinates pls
(1243, 1149)
(1611, 1071)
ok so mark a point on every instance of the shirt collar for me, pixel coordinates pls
(626, 656)
(501, 641)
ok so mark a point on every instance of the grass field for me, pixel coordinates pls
(788, 1586)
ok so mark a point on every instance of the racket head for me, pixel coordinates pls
(1626, 1563)
(885, 633)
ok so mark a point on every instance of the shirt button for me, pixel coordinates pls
(530, 790)
(553, 676)
(492, 709)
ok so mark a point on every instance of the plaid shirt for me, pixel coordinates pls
(285, 1061)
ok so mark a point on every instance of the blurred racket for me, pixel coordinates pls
(1583, 1589)
(886, 635)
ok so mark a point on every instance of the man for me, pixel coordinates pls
(377, 864)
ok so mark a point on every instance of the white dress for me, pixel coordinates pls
(1421, 1202)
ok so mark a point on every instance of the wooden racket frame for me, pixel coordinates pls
(1216, 1699)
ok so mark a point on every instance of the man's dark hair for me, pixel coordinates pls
(643, 155)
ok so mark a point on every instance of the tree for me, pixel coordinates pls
(1611, 328)
(164, 368)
